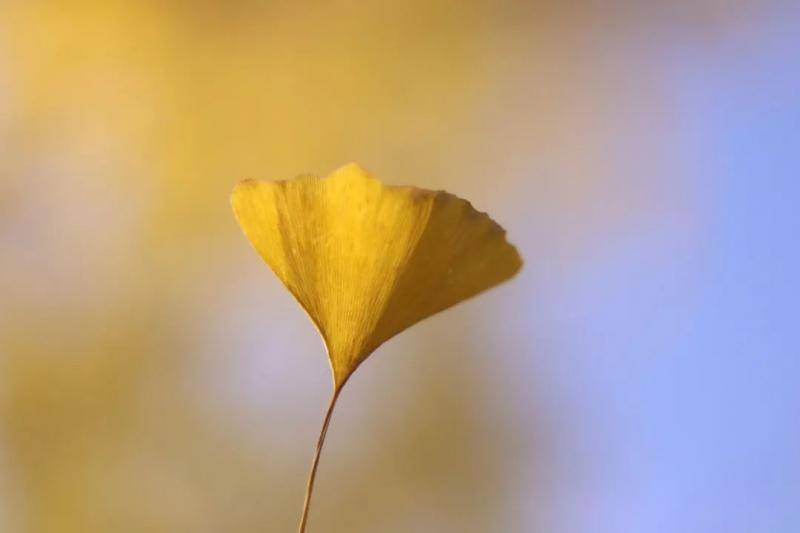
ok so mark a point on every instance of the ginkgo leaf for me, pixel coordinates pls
(368, 260)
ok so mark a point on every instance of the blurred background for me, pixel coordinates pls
(640, 375)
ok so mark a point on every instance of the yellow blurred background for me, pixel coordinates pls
(154, 376)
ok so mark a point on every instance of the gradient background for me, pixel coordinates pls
(640, 375)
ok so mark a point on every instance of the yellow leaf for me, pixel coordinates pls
(368, 260)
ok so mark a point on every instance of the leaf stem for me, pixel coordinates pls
(312, 476)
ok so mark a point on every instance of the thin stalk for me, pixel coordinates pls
(315, 463)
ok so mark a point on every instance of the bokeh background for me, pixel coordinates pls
(640, 375)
